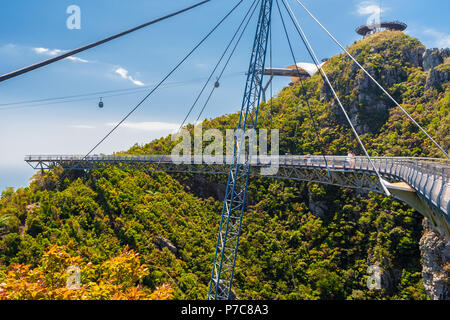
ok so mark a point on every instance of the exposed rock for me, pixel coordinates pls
(164, 243)
(434, 57)
(435, 252)
(370, 110)
(437, 63)
(325, 92)
(390, 279)
(318, 208)
(438, 76)
(414, 56)
(32, 206)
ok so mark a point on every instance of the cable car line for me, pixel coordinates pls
(373, 79)
(92, 45)
(315, 125)
(226, 64)
(254, 6)
(94, 95)
(313, 55)
(218, 63)
(166, 77)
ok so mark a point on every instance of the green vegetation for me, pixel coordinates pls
(286, 251)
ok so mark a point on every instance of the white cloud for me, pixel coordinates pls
(48, 52)
(366, 8)
(201, 65)
(148, 126)
(125, 75)
(122, 72)
(440, 39)
(82, 126)
(8, 48)
(55, 52)
(77, 59)
(371, 9)
(41, 50)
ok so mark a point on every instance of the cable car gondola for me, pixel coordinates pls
(101, 104)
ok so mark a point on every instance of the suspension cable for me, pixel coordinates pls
(373, 79)
(92, 45)
(322, 71)
(316, 127)
(271, 67)
(165, 78)
(227, 62)
(217, 64)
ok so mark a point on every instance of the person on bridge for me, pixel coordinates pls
(351, 160)
(308, 159)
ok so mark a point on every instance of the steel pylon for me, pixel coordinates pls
(236, 191)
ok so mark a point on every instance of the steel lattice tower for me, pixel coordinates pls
(236, 191)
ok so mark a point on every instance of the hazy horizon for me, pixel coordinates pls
(16, 176)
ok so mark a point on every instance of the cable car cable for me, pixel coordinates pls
(313, 55)
(374, 80)
(165, 78)
(227, 63)
(217, 65)
(92, 45)
(316, 127)
(121, 92)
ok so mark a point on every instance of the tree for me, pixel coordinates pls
(61, 276)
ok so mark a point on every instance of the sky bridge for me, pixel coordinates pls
(422, 183)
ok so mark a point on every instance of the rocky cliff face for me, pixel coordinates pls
(434, 57)
(437, 63)
(435, 252)
(391, 60)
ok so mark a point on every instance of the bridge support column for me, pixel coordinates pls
(403, 192)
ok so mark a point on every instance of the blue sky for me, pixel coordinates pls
(31, 31)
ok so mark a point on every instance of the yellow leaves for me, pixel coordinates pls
(115, 279)
(124, 269)
(162, 293)
(22, 283)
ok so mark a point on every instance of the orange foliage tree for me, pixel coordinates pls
(61, 276)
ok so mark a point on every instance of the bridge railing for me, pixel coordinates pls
(168, 157)
(395, 166)
(429, 177)
(337, 162)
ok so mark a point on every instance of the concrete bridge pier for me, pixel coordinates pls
(404, 192)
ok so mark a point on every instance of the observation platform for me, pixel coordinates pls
(369, 29)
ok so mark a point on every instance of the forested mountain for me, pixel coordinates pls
(299, 240)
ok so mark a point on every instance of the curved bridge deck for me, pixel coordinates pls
(429, 178)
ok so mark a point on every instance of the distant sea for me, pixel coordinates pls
(15, 176)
